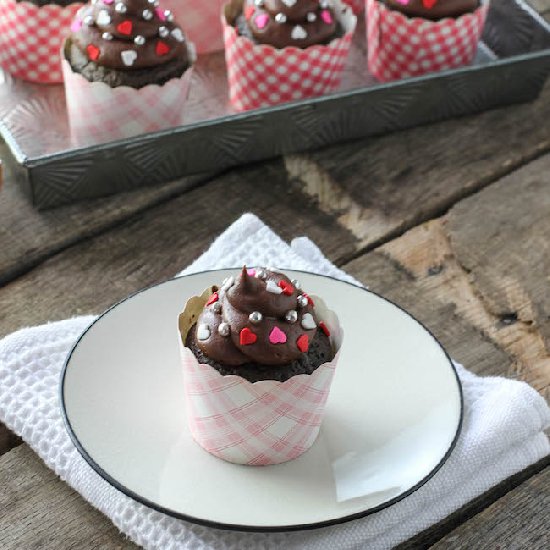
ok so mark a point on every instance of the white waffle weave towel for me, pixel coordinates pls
(502, 432)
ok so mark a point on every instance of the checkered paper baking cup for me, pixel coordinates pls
(31, 37)
(358, 6)
(399, 46)
(259, 423)
(200, 20)
(99, 113)
(260, 75)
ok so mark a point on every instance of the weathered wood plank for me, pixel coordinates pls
(381, 187)
(27, 236)
(92, 275)
(8, 440)
(517, 520)
(38, 510)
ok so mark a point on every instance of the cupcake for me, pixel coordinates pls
(201, 22)
(278, 51)
(259, 356)
(31, 34)
(413, 37)
(127, 69)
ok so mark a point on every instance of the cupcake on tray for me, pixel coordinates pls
(127, 69)
(412, 37)
(278, 51)
(31, 35)
(259, 356)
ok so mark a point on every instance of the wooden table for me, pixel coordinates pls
(452, 221)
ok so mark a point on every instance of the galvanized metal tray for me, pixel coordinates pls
(511, 66)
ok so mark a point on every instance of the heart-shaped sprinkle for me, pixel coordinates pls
(324, 328)
(326, 16)
(277, 336)
(203, 332)
(298, 33)
(429, 4)
(249, 11)
(308, 323)
(403, 2)
(289, 3)
(288, 289)
(309, 300)
(213, 298)
(108, 2)
(178, 35)
(103, 18)
(303, 343)
(76, 25)
(162, 48)
(160, 14)
(125, 27)
(273, 288)
(251, 272)
(261, 21)
(128, 57)
(247, 337)
(93, 52)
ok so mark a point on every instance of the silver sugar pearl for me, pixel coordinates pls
(168, 15)
(88, 20)
(216, 307)
(302, 301)
(224, 329)
(163, 32)
(311, 17)
(259, 3)
(324, 4)
(291, 316)
(139, 40)
(120, 7)
(255, 317)
(154, 3)
(280, 18)
(147, 15)
(261, 274)
(297, 285)
(107, 36)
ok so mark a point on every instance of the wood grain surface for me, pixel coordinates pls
(451, 221)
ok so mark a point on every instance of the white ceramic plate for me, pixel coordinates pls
(392, 419)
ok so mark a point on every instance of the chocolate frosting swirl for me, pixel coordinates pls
(128, 34)
(433, 9)
(258, 317)
(298, 23)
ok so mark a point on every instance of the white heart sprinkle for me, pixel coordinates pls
(298, 33)
(128, 57)
(308, 322)
(272, 287)
(203, 332)
(289, 3)
(103, 18)
(178, 35)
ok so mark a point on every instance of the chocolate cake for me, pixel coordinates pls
(260, 326)
(127, 43)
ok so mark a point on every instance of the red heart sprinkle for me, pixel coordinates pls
(93, 52)
(303, 343)
(214, 298)
(429, 4)
(309, 300)
(288, 289)
(162, 48)
(247, 337)
(125, 27)
(249, 11)
(324, 328)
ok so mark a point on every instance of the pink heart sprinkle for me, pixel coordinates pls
(108, 2)
(251, 272)
(326, 17)
(261, 20)
(76, 25)
(277, 336)
(160, 14)
(403, 2)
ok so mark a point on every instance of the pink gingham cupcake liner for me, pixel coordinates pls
(31, 37)
(399, 46)
(256, 424)
(200, 20)
(260, 75)
(99, 113)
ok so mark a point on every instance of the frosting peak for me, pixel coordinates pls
(260, 316)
